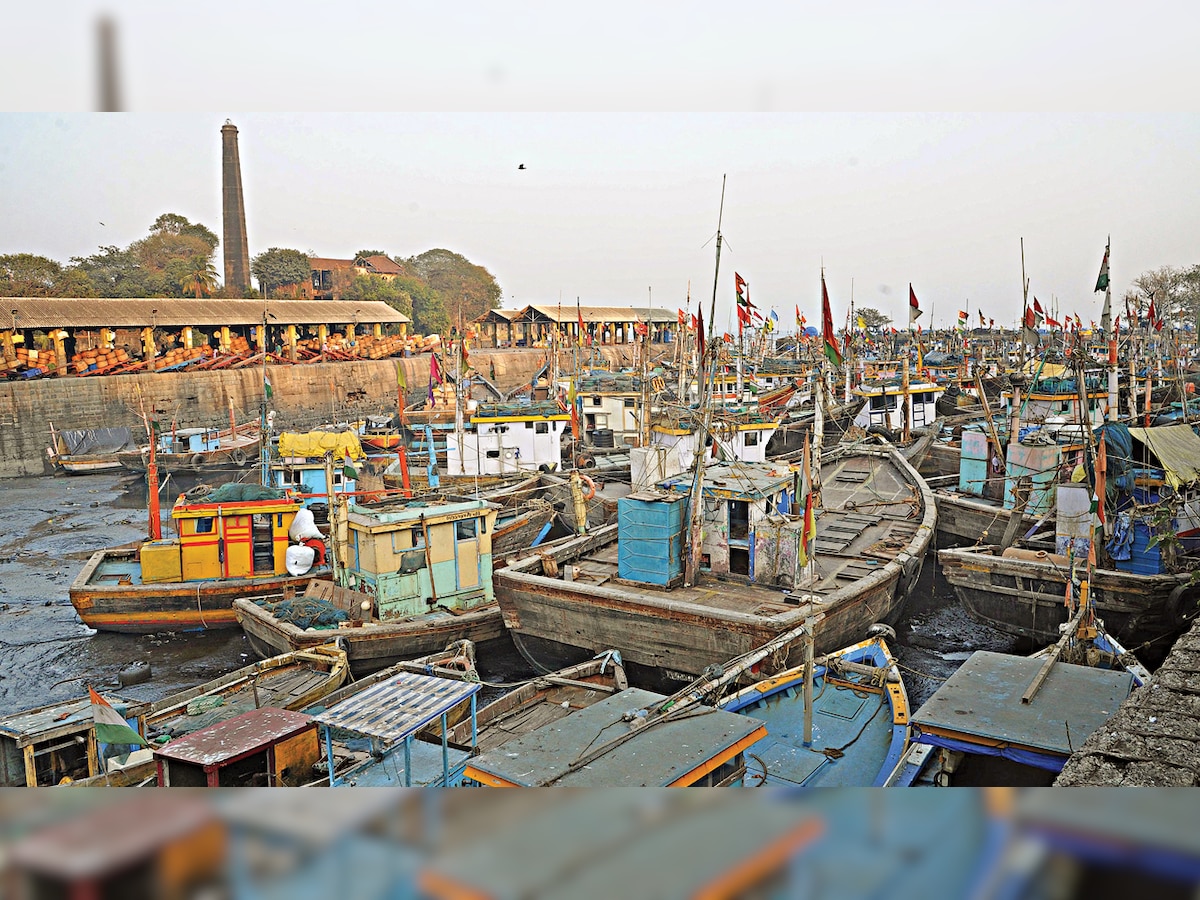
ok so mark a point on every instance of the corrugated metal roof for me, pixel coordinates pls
(506, 315)
(384, 265)
(601, 313)
(1177, 448)
(89, 312)
(401, 706)
(327, 262)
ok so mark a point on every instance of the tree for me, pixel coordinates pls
(873, 318)
(466, 290)
(200, 279)
(280, 267)
(173, 223)
(366, 254)
(374, 288)
(28, 275)
(1176, 292)
(114, 272)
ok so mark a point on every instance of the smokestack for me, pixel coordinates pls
(237, 252)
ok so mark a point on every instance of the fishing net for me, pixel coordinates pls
(307, 612)
(234, 493)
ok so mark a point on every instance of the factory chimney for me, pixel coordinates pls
(237, 252)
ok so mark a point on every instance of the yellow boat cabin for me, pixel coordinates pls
(223, 539)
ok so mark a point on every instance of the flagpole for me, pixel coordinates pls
(692, 563)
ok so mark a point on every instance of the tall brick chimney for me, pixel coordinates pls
(237, 251)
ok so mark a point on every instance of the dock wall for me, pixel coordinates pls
(303, 396)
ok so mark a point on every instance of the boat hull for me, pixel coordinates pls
(372, 647)
(669, 636)
(971, 521)
(168, 606)
(1024, 597)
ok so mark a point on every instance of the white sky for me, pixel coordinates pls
(618, 198)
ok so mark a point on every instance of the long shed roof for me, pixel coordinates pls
(171, 312)
(557, 313)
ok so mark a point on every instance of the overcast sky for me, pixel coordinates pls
(621, 207)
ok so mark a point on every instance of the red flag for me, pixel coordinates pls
(914, 311)
(1053, 323)
(700, 336)
(799, 318)
(582, 330)
(832, 353)
(1037, 307)
(682, 318)
(738, 283)
(1153, 315)
(694, 323)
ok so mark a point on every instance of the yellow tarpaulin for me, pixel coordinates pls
(314, 444)
(1049, 370)
(1177, 448)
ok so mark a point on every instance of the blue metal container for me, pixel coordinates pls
(1145, 560)
(650, 537)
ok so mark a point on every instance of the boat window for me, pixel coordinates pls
(493, 454)
(751, 439)
(542, 428)
(595, 401)
(204, 525)
(528, 424)
(629, 404)
(467, 529)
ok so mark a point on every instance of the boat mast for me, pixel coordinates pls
(692, 562)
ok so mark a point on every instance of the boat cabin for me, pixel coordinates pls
(263, 747)
(885, 399)
(506, 438)
(704, 750)
(739, 500)
(221, 536)
(51, 744)
(1057, 396)
(412, 556)
(307, 479)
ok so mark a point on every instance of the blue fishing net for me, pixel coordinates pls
(307, 612)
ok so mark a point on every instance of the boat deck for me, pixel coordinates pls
(870, 514)
(117, 571)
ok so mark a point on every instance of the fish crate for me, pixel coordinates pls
(650, 539)
(1145, 560)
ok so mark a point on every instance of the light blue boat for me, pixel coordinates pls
(859, 717)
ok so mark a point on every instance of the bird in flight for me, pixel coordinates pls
(102, 223)
(521, 166)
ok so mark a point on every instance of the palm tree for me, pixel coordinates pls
(201, 278)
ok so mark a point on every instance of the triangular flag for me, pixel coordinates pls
(1102, 281)
(110, 728)
(832, 353)
(914, 311)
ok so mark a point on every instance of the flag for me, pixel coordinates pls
(582, 329)
(109, 727)
(1153, 316)
(808, 530)
(694, 326)
(962, 319)
(774, 316)
(1039, 314)
(1102, 280)
(401, 376)
(894, 331)
(1053, 323)
(267, 389)
(700, 337)
(861, 323)
(832, 353)
(462, 349)
(435, 374)
(982, 320)
(1029, 335)
(682, 318)
(799, 318)
(914, 311)
(991, 323)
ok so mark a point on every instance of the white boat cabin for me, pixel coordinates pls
(509, 438)
(884, 404)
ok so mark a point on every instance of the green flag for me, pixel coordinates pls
(401, 377)
(110, 728)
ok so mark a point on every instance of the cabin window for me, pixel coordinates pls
(751, 438)
(407, 539)
(595, 401)
(493, 454)
(541, 428)
(279, 520)
(528, 425)
(204, 525)
(467, 529)
(630, 404)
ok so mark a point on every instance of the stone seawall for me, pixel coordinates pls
(304, 395)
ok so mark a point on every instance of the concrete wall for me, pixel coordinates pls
(304, 395)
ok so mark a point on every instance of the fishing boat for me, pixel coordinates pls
(46, 745)
(198, 450)
(540, 701)
(412, 577)
(621, 586)
(857, 715)
(232, 541)
(88, 450)
(1142, 586)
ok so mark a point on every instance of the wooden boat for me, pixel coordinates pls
(859, 720)
(84, 451)
(788, 438)
(226, 548)
(43, 746)
(1012, 720)
(198, 450)
(608, 590)
(1020, 592)
(540, 701)
(422, 569)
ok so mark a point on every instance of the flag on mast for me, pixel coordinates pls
(808, 532)
(832, 353)
(110, 727)
(914, 311)
(1102, 280)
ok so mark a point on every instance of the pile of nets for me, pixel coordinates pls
(234, 492)
(307, 612)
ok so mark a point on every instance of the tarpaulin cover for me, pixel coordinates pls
(233, 492)
(1177, 448)
(96, 440)
(314, 444)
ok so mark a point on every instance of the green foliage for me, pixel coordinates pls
(199, 278)
(113, 272)
(375, 288)
(466, 290)
(1176, 292)
(280, 267)
(28, 275)
(873, 317)
(369, 253)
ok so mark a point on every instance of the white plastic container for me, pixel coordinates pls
(303, 526)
